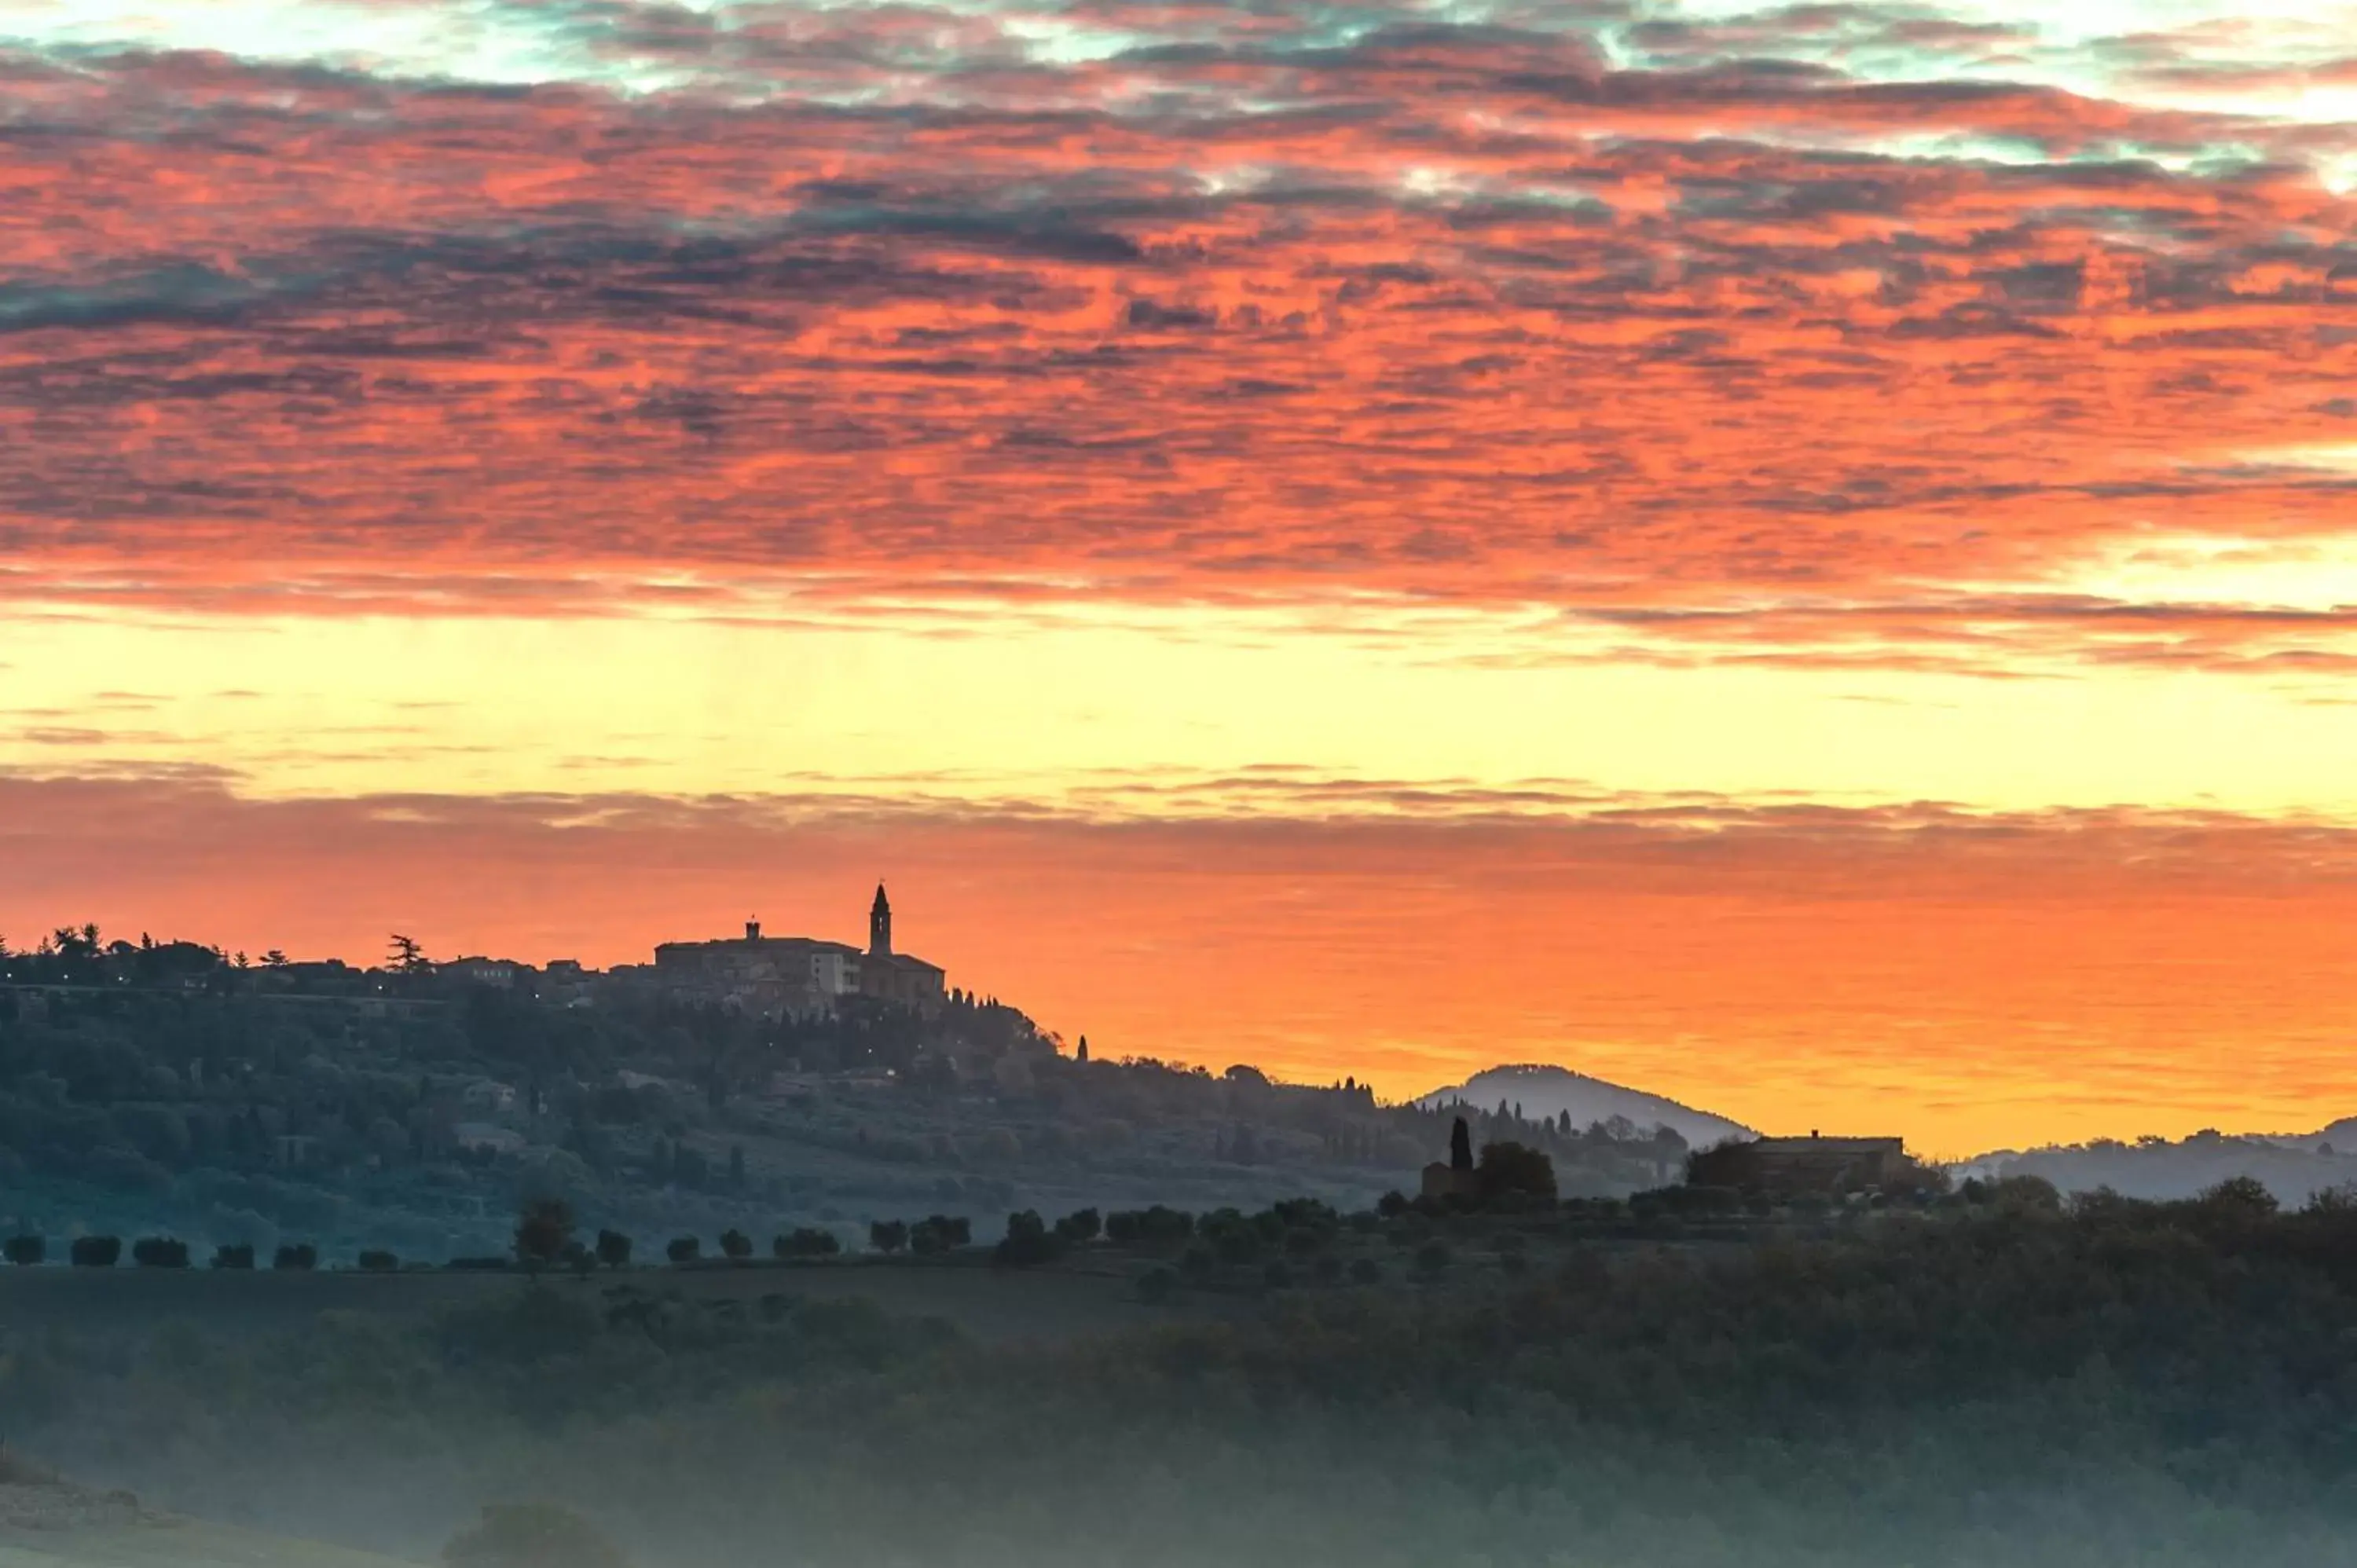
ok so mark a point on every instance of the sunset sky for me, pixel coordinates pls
(1801, 559)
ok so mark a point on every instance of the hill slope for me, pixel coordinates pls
(2291, 1165)
(1543, 1090)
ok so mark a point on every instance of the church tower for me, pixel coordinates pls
(879, 926)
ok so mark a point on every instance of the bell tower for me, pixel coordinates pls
(879, 925)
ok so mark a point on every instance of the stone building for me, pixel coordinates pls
(776, 977)
(1813, 1164)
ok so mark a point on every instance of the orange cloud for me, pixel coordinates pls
(1448, 311)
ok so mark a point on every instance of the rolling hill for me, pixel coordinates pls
(1551, 1091)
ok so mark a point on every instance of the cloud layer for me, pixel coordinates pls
(1825, 332)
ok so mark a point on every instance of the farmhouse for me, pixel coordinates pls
(1813, 1164)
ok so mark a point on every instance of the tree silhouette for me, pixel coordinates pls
(807, 1241)
(1514, 1167)
(96, 1251)
(543, 1232)
(1460, 1146)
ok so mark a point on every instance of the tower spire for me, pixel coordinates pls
(879, 925)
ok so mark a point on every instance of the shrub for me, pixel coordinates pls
(1237, 1244)
(735, 1245)
(1157, 1285)
(1392, 1204)
(2242, 1197)
(887, 1236)
(1432, 1259)
(1028, 1241)
(1328, 1269)
(300, 1258)
(234, 1255)
(159, 1253)
(1197, 1264)
(25, 1251)
(807, 1241)
(532, 1535)
(1156, 1227)
(613, 1248)
(1164, 1226)
(1366, 1272)
(2023, 1194)
(376, 1261)
(97, 1251)
(1306, 1214)
(1079, 1228)
(938, 1234)
(1509, 1168)
(684, 1250)
(543, 1230)
(1713, 1201)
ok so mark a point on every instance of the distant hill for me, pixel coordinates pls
(1543, 1090)
(2293, 1166)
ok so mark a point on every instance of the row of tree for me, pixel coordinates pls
(546, 1232)
(171, 1252)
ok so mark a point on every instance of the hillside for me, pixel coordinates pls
(1966, 1384)
(411, 1112)
(2291, 1165)
(1542, 1091)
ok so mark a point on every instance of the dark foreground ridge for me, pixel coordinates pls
(1998, 1378)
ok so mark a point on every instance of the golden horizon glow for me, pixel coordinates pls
(1066, 714)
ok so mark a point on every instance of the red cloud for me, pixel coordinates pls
(1459, 313)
